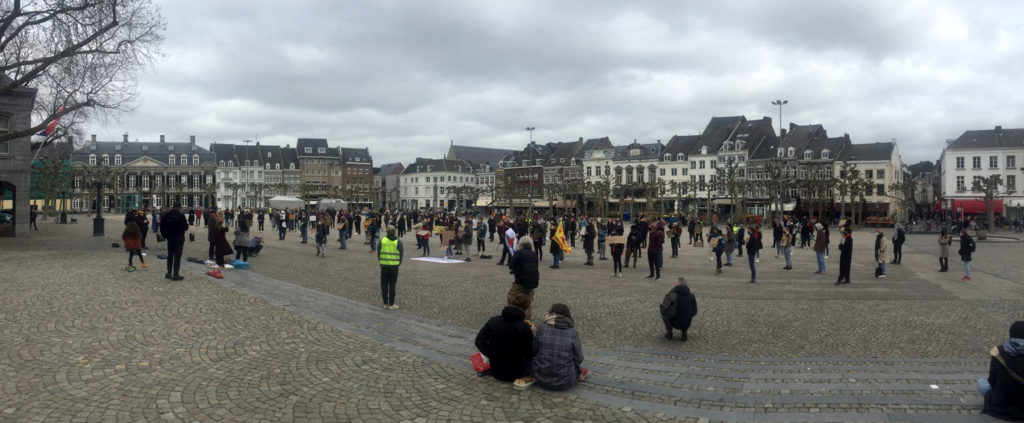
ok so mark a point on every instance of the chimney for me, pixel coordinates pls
(257, 142)
(846, 136)
(581, 138)
(94, 138)
(999, 128)
(125, 138)
(191, 139)
(783, 135)
(161, 137)
(659, 141)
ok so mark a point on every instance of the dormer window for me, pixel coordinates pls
(117, 159)
(704, 150)
(268, 166)
(780, 152)
(145, 147)
(739, 145)
(291, 166)
(790, 152)
(231, 163)
(268, 154)
(825, 154)
(247, 163)
(92, 160)
(681, 157)
(526, 162)
(308, 150)
(808, 154)
(117, 147)
(321, 150)
(170, 148)
(195, 160)
(256, 163)
(184, 160)
(562, 160)
(419, 168)
(171, 159)
(667, 157)
(221, 163)
(277, 166)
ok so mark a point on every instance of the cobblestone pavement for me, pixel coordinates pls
(301, 338)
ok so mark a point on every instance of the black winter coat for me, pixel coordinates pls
(686, 307)
(965, 247)
(173, 224)
(508, 342)
(524, 267)
(845, 255)
(1006, 399)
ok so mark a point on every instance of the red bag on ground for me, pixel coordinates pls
(216, 273)
(480, 363)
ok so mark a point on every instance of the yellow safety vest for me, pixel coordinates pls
(389, 252)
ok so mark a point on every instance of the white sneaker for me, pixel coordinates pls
(393, 307)
(881, 276)
(757, 260)
(620, 274)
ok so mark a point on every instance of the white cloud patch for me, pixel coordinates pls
(405, 78)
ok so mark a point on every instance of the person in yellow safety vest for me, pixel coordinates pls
(389, 254)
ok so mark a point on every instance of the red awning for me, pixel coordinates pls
(976, 206)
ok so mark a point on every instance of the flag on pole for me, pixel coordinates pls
(559, 239)
(52, 126)
(510, 240)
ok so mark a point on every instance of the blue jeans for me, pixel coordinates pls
(559, 256)
(788, 253)
(983, 386)
(280, 234)
(728, 257)
(342, 238)
(882, 266)
(753, 271)
(821, 262)
(967, 268)
(305, 233)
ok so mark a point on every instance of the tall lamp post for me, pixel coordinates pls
(780, 103)
(532, 182)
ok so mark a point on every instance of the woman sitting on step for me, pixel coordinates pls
(1004, 388)
(557, 351)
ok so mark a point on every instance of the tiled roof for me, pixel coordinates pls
(314, 145)
(681, 144)
(878, 151)
(132, 151)
(270, 154)
(390, 169)
(920, 168)
(288, 157)
(480, 155)
(363, 154)
(648, 151)
(989, 138)
(438, 165)
(718, 130)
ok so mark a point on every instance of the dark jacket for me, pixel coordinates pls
(686, 307)
(220, 240)
(524, 267)
(966, 247)
(588, 239)
(508, 342)
(655, 241)
(556, 353)
(845, 255)
(1006, 399)
(753, 243)
(173, 224)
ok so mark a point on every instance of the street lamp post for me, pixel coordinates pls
(531, 181)
(780, 103)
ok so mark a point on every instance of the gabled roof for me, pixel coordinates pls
(750, 133)
(224, 153)
(594, 144)
(921, 168)
(57, 150)
(351, 154)
(563, 150)
(799, 135)
(716, 132)
(288, 157)
(878, 151)
(438, 165)
(681, 144)
(989, 138)
(270, 154)
(132, 151)
(391, 169)
(768, 149)
(479, 155)
(314, 144)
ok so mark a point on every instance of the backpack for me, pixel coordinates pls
(668, 306)
(970, 244)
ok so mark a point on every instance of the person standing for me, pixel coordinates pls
(633, 245)
(133, 244)
(655, 258)
(220, 241)
(786, 244)
(753, 245)
(260, 218)
(481, 237)
(678, 309)
(525, 270)
(675, 232)
(32, 216)
(342, 229)
(730, 245)
(242, 240)
(966, 249)
(303, 223)
(173, 230)
(819, 248)
(602, 238)
(389, 255)
(616, 251)
(944, 242)
(845, 256)
(881, 253)
(897, 245)
(589, 234)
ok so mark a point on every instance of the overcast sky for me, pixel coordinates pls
(405, 77)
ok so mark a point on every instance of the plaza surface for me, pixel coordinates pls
(303, 338)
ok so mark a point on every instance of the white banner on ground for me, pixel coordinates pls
(437, 260)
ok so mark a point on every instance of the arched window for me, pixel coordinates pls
(291, 166)
(790, 152)
(221, 163)
(268, 166)
(780, 152)
(246, 163)
(667, 157)
(277, 166)
(256, 163)
(680, 156)
(77, 203)
(825, 154)
(231, 163)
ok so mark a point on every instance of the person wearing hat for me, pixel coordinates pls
(819, 247)
(1003, 390)
(389, 255)
(173, 226)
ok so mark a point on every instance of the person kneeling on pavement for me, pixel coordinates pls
(1004, 388)
(507, 341)
(678, 308)
(557, 352)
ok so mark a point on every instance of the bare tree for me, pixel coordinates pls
(84, 56)
(50, 177)
(989, 188)
(731, 180)
(848, 175)
(904, 193)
